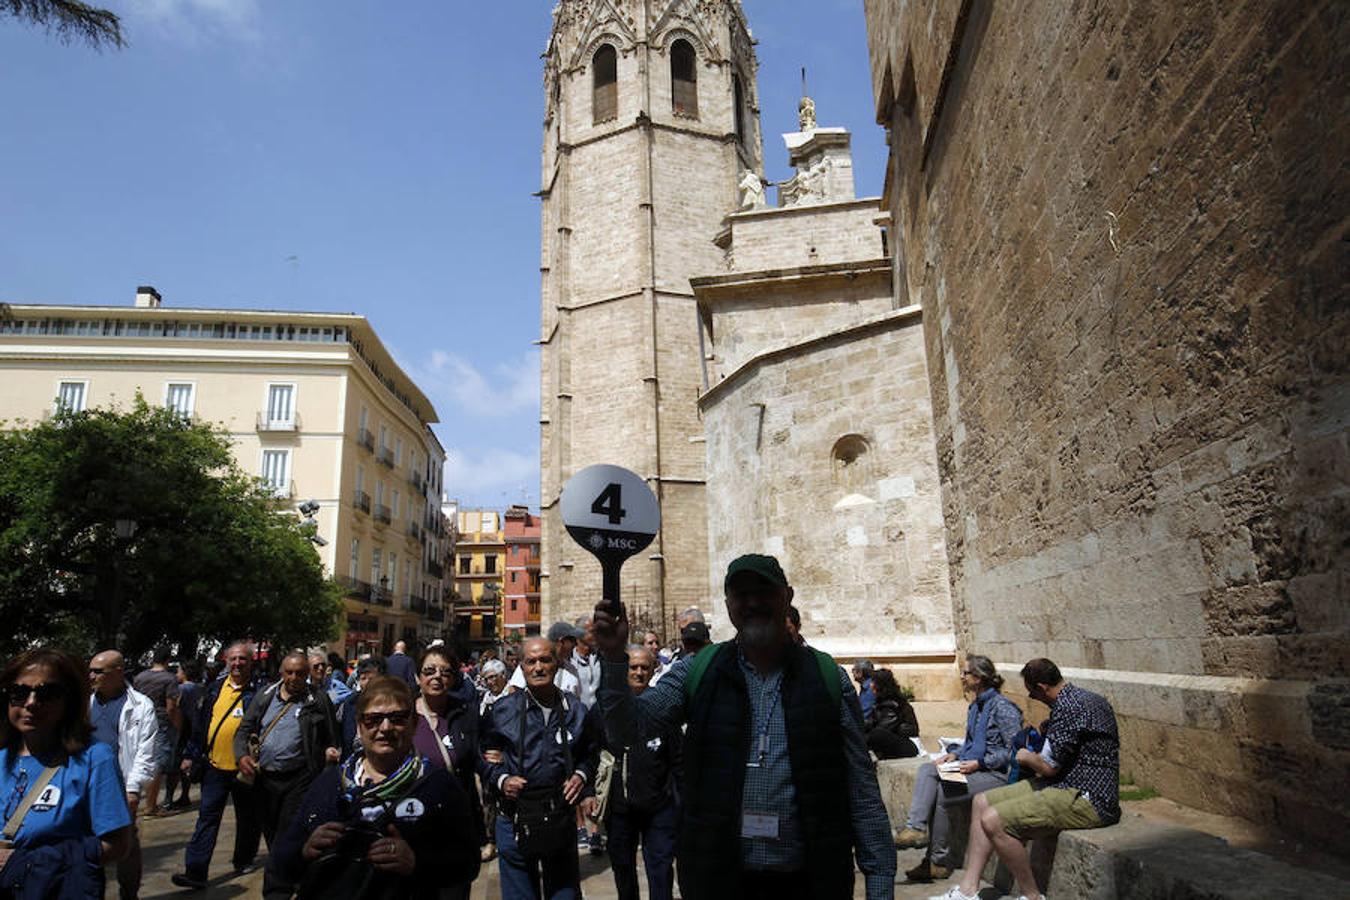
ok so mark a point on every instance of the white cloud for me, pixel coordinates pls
(192, 20)
(492, 477)
(509, 389)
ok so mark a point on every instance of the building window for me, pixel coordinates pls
(684, 79)
(398, 451)
(281, 404)
(605, 85)
(394, 505)
(376, 563)
(393, 572)
(354, 569)
(70, 396)
(363, 421)
(360, 479)
(178, 398)
(384, 439)
(490, 564)
(465, 565)
(514, 601)
(379, 493)
(738, 98)
(276, 471)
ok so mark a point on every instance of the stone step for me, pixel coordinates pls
(1140, 858)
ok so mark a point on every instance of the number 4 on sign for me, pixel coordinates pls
(610, 504)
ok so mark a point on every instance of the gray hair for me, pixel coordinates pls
(494, 667)
(865, 666)
(983, 669)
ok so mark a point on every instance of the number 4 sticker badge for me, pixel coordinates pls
(612, 513)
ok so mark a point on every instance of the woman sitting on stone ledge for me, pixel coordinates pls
(992, 722)
(891, 723)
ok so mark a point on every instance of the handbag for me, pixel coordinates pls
(544, 822)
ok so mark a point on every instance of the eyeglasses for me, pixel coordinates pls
(398, 718)
(432, 671)
(47, 692)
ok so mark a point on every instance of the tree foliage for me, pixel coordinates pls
(69, 19)
(213, 554)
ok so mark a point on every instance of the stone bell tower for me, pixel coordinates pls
(651, 122)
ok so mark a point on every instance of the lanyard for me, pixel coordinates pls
(763, 728)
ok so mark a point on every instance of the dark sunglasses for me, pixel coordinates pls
(398, 719)
(432, 671)
(18, 694)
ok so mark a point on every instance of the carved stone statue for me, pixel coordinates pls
(752, 190)
(806, 114)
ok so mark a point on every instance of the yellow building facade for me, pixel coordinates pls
(479, 576)
(314, 406)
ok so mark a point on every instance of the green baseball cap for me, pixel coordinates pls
(765, 567)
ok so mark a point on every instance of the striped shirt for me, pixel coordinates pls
(768, 787)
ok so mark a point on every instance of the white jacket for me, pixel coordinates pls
(137, 729)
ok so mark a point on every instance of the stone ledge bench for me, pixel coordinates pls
(1136, 859)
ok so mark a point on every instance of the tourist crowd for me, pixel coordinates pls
(742, 769)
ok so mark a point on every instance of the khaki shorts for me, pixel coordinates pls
(1028, 813)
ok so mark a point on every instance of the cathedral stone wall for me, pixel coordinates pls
(805, 235)
(630, 207)
(1125, 226)
(857, 525)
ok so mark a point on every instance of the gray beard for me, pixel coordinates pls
(759, 635)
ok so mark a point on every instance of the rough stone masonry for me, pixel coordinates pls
(1126, 226)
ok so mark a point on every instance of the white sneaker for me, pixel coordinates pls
(955, 894)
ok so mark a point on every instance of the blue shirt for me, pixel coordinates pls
(84, 799)
(867, 697)
(105, 717)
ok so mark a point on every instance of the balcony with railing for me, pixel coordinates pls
(366, 439)
(361, 500)
(435, 569)
(356, 589)
(417, 604)
(416, 480)
(267, 423)
(382, 514)
(385, 457)
(414, 531)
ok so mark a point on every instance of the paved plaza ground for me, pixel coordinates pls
(163, 841)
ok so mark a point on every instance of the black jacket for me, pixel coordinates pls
(441, 834)
(646, 774)
(894, 714)
(318, 725)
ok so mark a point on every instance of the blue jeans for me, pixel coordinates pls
(657, 831)
(520, 873)
(218, 788)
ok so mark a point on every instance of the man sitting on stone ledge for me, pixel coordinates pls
(1076, 785)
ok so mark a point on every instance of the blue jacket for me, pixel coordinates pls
(33, 873)
(541, 760)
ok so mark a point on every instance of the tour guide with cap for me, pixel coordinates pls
(779, 792)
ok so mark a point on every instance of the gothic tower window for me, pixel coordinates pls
(684, 79)
(605, 90)
(738, 93)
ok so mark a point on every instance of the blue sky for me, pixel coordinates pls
(338, 155)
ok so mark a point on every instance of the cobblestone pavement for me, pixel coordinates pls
(163, 841)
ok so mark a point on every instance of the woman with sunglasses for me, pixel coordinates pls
(446, 734)
(76, 818)
(386, 823)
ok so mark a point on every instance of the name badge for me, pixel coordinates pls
(48, 799)
(410, 810)
(759, 825)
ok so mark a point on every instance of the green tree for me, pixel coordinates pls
(69, 19)
(128, 528)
